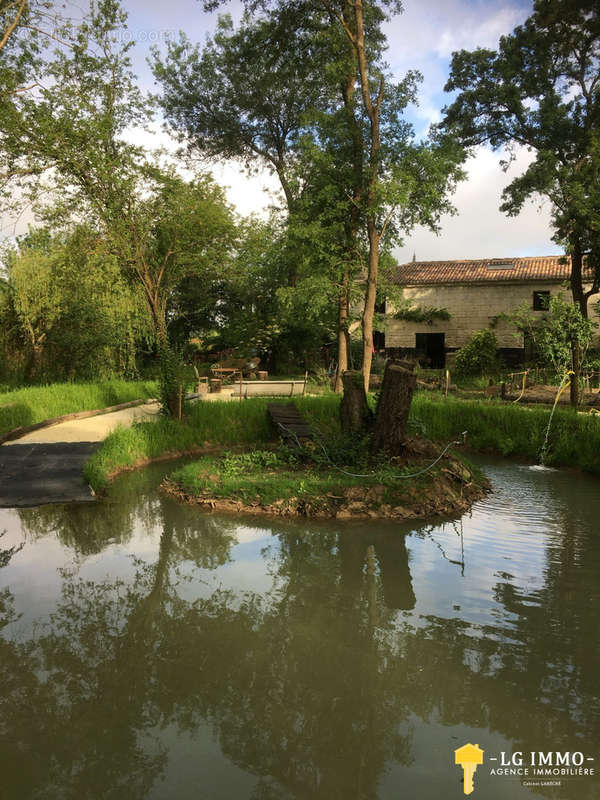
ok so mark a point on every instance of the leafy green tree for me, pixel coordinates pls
(69, 307)
(480, 355)
(539, 90)
(73, 130)
(254, 94)
(340, 163)
(245, 94)
(557, 333)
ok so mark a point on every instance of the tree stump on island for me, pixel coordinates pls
(393, 408)
(355, 414)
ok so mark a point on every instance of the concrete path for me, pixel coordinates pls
(46, 466)
(91, 429)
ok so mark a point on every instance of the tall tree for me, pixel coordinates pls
(405, 181)
(541, 90)
(254, 94)
(390, 180)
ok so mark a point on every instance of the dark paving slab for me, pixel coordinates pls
(37, 474)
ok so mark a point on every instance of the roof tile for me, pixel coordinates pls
(536, 268)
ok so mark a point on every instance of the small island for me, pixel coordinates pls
(372, 470)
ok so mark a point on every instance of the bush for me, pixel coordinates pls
(479, 356)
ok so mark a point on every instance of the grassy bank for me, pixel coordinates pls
(289, 483)
(513, 430)
(36, 403)
(208, 424)
(499, 428)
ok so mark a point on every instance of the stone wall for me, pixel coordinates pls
(472, 307)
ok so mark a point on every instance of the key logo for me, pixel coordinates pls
(469, 756)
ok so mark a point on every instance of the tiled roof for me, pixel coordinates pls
(484, 270)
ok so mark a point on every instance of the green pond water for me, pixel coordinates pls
(150, 651)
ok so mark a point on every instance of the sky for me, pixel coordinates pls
(421, 38)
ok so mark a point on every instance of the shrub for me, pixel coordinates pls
(480, 355)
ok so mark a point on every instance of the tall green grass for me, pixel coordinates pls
(513, 430)
(37, 403)
(500, 428)
(208, 424)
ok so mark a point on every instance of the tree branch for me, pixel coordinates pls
(14, 24)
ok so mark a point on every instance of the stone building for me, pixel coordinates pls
(474, 294)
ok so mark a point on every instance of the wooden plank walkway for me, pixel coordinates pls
(290, 423)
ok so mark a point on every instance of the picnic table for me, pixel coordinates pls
(226, 372)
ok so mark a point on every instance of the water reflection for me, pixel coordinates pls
(322, 684)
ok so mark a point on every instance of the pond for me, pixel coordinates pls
(150, 651)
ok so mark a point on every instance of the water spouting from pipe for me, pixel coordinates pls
(564, 384)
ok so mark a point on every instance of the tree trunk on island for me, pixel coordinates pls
(355, 414)
(393, 408)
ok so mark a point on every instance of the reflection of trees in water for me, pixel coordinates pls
(553, 653)
(306, 687)
(6, 553)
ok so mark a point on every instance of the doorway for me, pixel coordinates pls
(431, 349)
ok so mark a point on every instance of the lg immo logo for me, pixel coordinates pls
(542, 766)
(469, 757)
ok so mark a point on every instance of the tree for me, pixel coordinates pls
(245, 95)
(70, 310)
(258, 95)
(556, 334)
(404, 181)
(540, 90)
(73, 130)
(381, 174)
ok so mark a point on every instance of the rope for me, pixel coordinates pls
(371, 474)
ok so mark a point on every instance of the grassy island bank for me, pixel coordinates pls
(206, 426)
(291, 483)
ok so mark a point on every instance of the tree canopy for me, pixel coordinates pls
(541, 90)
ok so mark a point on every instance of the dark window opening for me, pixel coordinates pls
(431, 349)
(541, 301)
(378, 340)
(380, 306)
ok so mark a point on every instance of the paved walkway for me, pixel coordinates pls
(46, 466)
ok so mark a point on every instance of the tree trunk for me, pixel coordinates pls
(370, 299)
(355, 414)
(393, 409)
(580, 299)
(353, 219)
(342, 337)
(35, 361)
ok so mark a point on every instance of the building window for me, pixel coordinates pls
(541, 301)
(380, 306)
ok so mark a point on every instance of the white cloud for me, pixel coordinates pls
(473, 31)
(480, 230)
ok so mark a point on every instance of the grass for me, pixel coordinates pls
(289, 481)
(258, 476)
(27, 406)
(208, 424)
(513, 430)
(505, 429)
